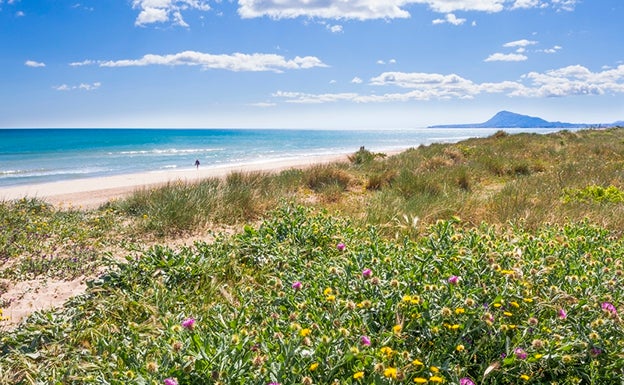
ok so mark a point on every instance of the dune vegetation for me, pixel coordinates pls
(489, 261)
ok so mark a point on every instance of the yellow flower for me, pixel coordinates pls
(420, 380)
(390, 372)
(417, 362)
(331, 298)
(407, 298)
(305, 332)
(434, 369)
(328, 291)
(514, 304)
(460, 348)
(437, 379)
(387, 351)
(358, 375)
(528, 300)
(314, 366)
(508, 314)
(460, 310)
(525, 377)
(397, 329)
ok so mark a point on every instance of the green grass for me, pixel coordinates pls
(503, 320)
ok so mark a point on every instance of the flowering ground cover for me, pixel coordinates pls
(308, 298)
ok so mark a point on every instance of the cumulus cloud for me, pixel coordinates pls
(34, 64)
(357, 80)
(451, 19)
(554, 49)
(234, 62)
(80, 87)
(567, 81)
(334, 28)
(163, 11)
(506, 57)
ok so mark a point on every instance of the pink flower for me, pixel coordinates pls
(170, 381)
(453, 280)
(520, 353)
(562, 314)
(608, 307)
(297, 285)
(366, 273)
(364, 340)
(341, 246)
(466, 381)
(188, 323)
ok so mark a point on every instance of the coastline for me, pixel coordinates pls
(90, 193)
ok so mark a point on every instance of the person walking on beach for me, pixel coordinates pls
(197, 163)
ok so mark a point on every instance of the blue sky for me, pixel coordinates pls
(308, 63)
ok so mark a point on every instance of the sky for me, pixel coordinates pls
(320, 64)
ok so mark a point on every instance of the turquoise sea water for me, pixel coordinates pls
(30, 156)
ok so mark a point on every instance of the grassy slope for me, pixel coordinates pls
(516, 274)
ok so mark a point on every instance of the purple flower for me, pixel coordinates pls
(341, 246)
(595, 351)
(297, 285)
(364, 340)
(188, 323)
(520, 354)
(608, 307)
(466, 381)
(562, 314)
(170, 381)
(366, 273)
(453, 280)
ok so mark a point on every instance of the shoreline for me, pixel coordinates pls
(91, 193)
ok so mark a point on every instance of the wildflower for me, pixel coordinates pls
(188, 323)
(525, 377)
(420, 380)
(508, 314)
(152, 367)
(460, 310)
(595, 351)
(446, 312)
(434, 369)
(330, 298)
(453, 280)
(305, 332)
(170, 381)
(533, 321)
(562, 314)
(297, 285)
(460, 348)
(366, 273)
(387, 351)
(537, 344)
(437, 379)
(397, 329)
(390, 372)
(306, 381)
(358, 375)
(328, 291)
(354, 350)
(469, 302)
(520, 353)
(364, 340)
(417, 362)
(341, 246)
(609, 308)
(466, 381)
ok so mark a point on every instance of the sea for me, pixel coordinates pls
(31, 156)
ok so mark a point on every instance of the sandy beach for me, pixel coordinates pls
(90, 193)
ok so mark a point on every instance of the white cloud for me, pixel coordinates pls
(34, 64)
(263, 104)
(451, 19)
(520, 43)
(335, 28)
(162, 11)
(356, 80)
(80, 87)
(82, 63)
(234, 62)
(382, 9)
(554, 49)
(567, 81)
(525, 4)
(506, 57)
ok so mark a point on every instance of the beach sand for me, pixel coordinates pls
(92, 192)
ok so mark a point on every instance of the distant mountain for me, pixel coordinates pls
(506, 119)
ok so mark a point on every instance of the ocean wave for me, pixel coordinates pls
(14, 174)
(171, 151)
